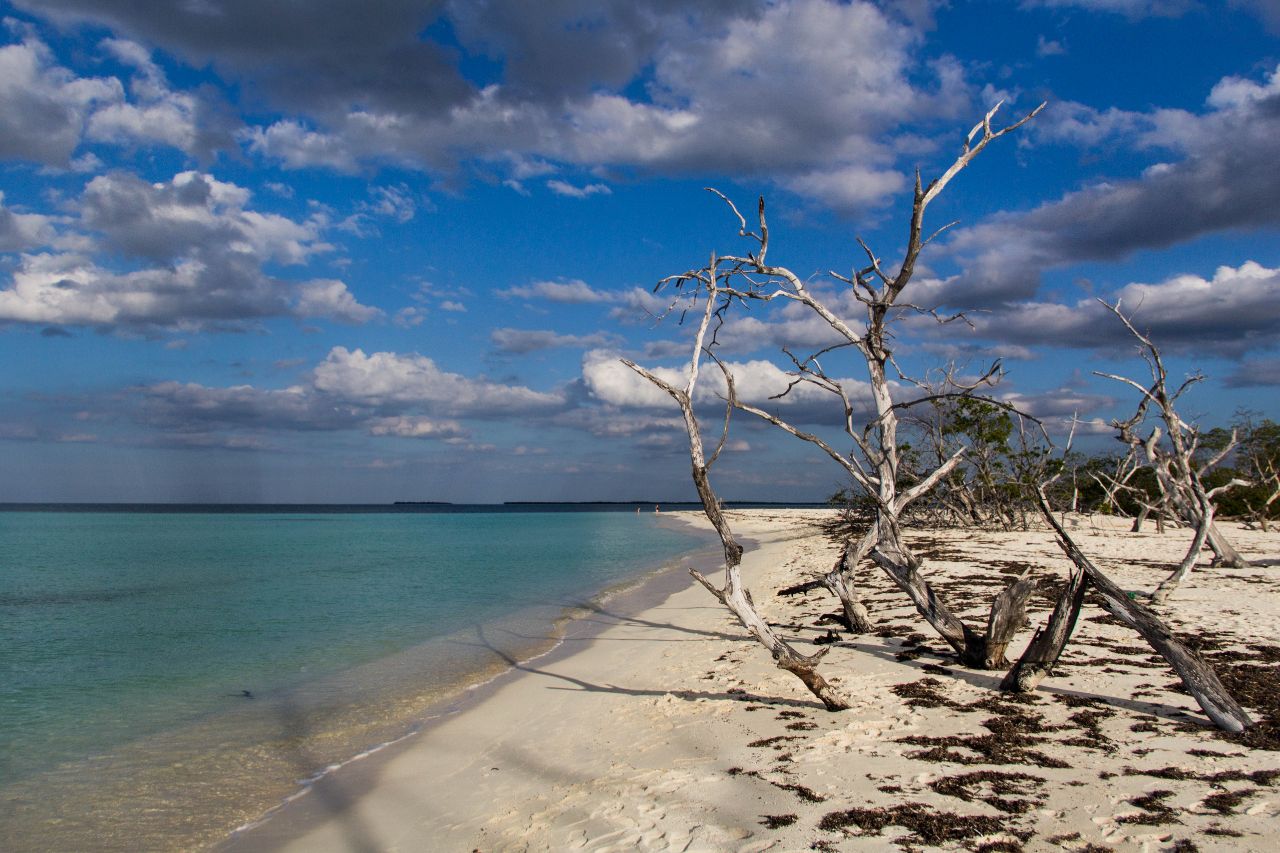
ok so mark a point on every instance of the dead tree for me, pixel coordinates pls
(1118, 488)
(874, 466)
(1047, 644)
(1259, 456)
(733, 594)
(1179, 476)
(875, 463)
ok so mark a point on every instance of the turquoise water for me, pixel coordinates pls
(131, 643)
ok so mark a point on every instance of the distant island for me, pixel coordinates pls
(752, 504)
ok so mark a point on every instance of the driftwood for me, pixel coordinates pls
(1047, 645)
(1042, 653)
(985, 650)
(733, 594)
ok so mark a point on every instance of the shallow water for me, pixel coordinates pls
(165, 677)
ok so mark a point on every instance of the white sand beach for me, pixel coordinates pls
(672, 730)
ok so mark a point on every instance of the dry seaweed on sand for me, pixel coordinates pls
(926, 824)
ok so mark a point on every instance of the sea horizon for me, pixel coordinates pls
(406, 506)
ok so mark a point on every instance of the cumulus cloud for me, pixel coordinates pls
(311, 55)
(1225, 180)
(390, 379)
(190, 122)
(202, 249)
(651, 85)
(19, 231)
(43, 106)
(192, 212)
(297, 146)
(383, 394)
(1232, 313)
(571, 292)
(331, 298)
(756, 381)
(849, 187)
(47, 110)
(522, 341)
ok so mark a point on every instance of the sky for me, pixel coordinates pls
(285, 251)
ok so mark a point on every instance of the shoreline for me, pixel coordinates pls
(187, 786)
(669, 729)
(579, 626)
(578, 623)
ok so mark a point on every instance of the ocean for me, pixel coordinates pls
(170, 673)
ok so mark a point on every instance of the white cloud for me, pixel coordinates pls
(407, 426)
(331, 298)
(1234, 312)
(193, 212)
(1223, 181)
(385, 378)
(756, 382)
(850, 187)
(299, 147)
(203, 250)
(46, 110)
(826, 84)
(383, 394)
(43, 106)
(567, 189)
(571, 292)
(521, 341)
(20, 231)
(158, 114)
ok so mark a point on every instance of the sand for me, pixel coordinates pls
(669, 729)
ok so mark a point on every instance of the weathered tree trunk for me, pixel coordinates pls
(734, 595)
(1008, 613)
(1224, 552)
(1139, 518)
(979, 651)
(904, 569)
(1042, 653)
(840, 581)
(1179, 477)
(1197, 676)
(1171, 583)
(855, 612)
(804, 667)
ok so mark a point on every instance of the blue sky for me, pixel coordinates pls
(325, 251)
